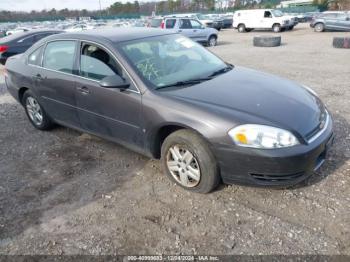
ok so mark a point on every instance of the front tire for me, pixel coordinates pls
(241, 28)
(188, 161)
(35, 112)
(276, 28)
(212, 41)
(319, 27)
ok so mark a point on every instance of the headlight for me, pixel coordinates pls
(260, 136)
(310, 90)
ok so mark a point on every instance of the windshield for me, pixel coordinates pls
(168, 59)
(277, 13)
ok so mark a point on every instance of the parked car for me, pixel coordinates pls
(165, 96)
(227, 21)
(17, 30)
(192, 28)
(204, 19)
(247, 20)
(19, 43)
(79, 28)
(335, 21)
(156, 22)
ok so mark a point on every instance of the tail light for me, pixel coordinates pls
(3, 48)
(162, 25)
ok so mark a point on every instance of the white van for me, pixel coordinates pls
(247, 20)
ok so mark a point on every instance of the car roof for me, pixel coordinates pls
(16, 36)
(113, 34)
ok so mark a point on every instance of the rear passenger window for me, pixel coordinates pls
(170, 23)
(185, 24)
(35, 57)
(59, 56)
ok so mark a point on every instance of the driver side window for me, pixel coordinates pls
(96, 63)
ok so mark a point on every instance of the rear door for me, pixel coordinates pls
(55, 81)
(343, 22)
(185, 28)
(109, 112)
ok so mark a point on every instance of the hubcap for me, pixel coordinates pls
(34, 111)
(183, 166)
(212, 41)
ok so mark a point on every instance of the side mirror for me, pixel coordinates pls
(114, 81)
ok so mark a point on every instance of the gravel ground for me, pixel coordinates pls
(64, 192)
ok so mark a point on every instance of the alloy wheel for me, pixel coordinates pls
(34, 111)
(183, 166)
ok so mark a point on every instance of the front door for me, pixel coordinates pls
(109, 112)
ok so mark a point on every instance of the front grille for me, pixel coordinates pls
(276, 178)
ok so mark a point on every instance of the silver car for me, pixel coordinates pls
(333, 21)
(191, 28)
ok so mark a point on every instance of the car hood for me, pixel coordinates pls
(271, 99)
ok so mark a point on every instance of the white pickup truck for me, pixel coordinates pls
(247, 20)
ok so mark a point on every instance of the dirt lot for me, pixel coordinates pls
(64, 192)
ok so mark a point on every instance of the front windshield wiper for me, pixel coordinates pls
(222, 70)
(185, 83)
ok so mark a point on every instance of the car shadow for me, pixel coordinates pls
(336, 155)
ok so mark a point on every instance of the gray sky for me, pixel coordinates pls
(28, 5)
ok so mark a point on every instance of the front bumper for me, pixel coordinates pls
(273, 167)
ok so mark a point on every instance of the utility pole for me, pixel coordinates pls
(99, 1)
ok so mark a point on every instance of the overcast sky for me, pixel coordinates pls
(28, 5)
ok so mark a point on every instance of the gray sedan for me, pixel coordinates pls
(167, 97)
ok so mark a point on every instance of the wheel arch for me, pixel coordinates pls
(162, 132)
(21, 92)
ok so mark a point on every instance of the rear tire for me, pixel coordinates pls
(241, 28)
(276, 28)
(319, 27)
(36, 113)
(188, 161)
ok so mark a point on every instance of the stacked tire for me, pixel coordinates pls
(267, 41)
(341, 42)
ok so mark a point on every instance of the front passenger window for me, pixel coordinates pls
(59, 56)
(267, 14)
(96, 63)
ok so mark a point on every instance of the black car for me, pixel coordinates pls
(20, 42)
(165, 96)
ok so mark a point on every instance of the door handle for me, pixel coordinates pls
(84, 90)
(179, 31)
(194, 30)
(38, 77)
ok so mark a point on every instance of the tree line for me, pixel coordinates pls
(160, 7)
